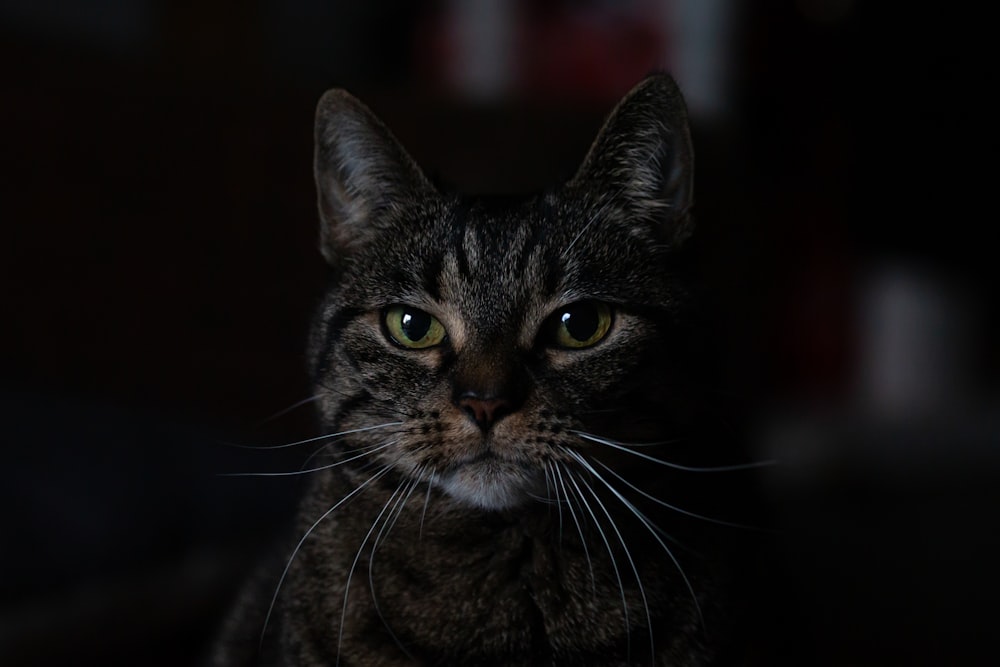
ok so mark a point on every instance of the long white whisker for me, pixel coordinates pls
(387, 526)
(368, 452)
(547, 498)
(382, 471)
(674, 507)
(579, 528)
(635, 570)
(316, 452)
(548, 483)
(676, 466)
(328, 436)
(357, 557)
(413, 487)
(383, 403)
(658, 443)
(427, 499)
(362, 451)
(559, 510)
(328, 448)
(647, 523)
(614, 564)
(285, 411)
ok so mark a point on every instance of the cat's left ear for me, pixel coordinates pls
(642, 157)
(364, 177)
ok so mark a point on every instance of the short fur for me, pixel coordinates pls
(465, 545)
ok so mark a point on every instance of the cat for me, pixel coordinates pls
(516, 414)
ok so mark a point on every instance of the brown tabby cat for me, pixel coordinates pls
(508, 387)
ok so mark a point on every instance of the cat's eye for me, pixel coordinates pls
(581, 324)
(413, 328)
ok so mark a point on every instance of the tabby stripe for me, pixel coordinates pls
(432, 277)
(553, 274)
(334, 328)
(459, 223)
(537, 235)
(351, 405)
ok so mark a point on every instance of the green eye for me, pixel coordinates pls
(581, 324)
(413, 328)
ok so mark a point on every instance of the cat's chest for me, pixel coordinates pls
(467, 587)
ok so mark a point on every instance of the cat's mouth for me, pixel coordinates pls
(493, 458)
(486, 450)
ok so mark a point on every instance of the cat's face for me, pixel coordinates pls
(479, 341)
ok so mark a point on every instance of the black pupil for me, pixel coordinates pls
(415, 324)
(581, 321)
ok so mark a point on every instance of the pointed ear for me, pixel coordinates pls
(364, 177)
(642, 157)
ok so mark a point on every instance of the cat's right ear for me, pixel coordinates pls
(364, 177)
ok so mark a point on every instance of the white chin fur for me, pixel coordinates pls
(487, 488)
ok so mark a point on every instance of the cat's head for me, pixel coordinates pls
(479, 341)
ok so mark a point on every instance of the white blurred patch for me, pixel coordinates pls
(916, 343)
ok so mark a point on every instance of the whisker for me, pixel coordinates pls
(397, 510)
(559, 509)
(309, 470)
(357, 557)
(678, 509)
(628, 555)
(285, 411)
(619, 446)
(416, 482)
(601, 411)
(322, 449)
(658, 443)
(427, 499)
(382, 471)
(542, 499)
(328, 436)
(385, 404)
(327, 448)
(645, 522)
(579, 529)
(611, 555)
(547, 498)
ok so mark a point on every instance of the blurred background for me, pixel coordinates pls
(159, 270)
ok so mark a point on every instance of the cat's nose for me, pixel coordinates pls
(484, 411)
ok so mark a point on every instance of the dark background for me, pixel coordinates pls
(159, 270)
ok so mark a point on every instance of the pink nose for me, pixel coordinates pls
(484, 411)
